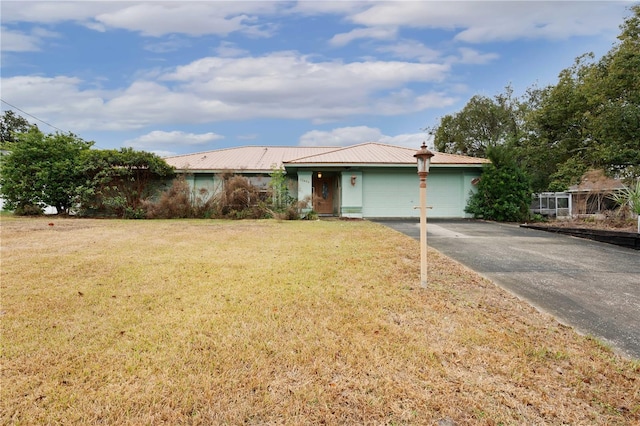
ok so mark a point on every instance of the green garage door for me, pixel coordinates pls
(394, 193)
(445, 194)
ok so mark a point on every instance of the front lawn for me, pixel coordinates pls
(266, 322)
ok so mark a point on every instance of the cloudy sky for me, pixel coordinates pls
(190, 76)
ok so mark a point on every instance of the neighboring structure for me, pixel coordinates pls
(370, 180)
(551, 204)
(593, 194)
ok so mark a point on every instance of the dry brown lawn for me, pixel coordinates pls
(265, 322)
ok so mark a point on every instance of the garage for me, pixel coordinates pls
(395, 193)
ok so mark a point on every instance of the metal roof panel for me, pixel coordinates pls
(265, 158)
(378, 153)
(254, 158)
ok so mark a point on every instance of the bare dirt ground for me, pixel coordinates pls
(606, 224)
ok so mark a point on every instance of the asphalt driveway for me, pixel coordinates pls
(593, 287)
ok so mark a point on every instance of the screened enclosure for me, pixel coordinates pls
(551, 204)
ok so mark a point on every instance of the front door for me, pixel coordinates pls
(323, 194)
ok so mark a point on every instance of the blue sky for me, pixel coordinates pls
(182, 77)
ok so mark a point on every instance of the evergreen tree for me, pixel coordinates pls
(504, 192)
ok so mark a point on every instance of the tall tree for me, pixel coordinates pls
(41, 170)
(482, 123)
(591, 117)
(613, 86)
(560, 131)
(11, 125)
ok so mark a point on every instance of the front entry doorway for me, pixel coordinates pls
(323, 189)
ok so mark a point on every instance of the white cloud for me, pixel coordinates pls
(476, 21)
(149, 18)
(158, 18)
(315, 7)
(278, 85)
(346, 136)
(369, 33)
(43, 32)
(230, 50)
(147, 103)
(49, 12)
(433, 100)
(410, 49)
(343, 136)
(172, 44)
(164, 154)
(297, 76)
(67, 101)
(485, 21)
(18, 41)
(409, 140)
(472, 56)
(158, 138)
(543, 20)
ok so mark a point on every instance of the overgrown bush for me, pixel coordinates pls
(28, 210)
(180, 202)
(293, 211)
(236, 199)
(283, 206)
(174, 203)
(241, 200)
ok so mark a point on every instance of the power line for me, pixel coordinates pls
(34, 117)
(42, 121)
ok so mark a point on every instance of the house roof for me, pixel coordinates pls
(378, 153)
(596, 181)
(246, 158)
(264, 158)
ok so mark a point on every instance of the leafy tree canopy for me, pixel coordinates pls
(41, 170)
(11, 125)
(482, 123)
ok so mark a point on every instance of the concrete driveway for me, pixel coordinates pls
(593, 287)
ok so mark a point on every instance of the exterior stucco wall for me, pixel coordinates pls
(351, 194)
